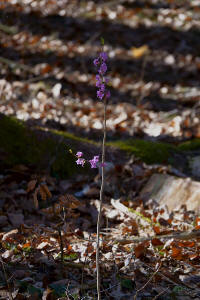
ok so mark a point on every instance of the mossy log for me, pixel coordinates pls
(43, 150)
(49, 150)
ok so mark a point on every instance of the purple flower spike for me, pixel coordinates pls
(103, 56)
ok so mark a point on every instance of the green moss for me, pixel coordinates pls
(73, 137)
(21, 145)
(48, 151)
(190, 145)
(149, 152)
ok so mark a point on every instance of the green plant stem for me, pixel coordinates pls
(101, 202)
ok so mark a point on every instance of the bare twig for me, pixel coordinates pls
(141, 79)
(61, 249)
(8, 29)
(84, 263)
(161, 293)
(13, 64)
(7, 281)
(188, 290)
(186, 235)
(143, 287)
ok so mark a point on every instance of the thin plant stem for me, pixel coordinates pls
(101, 202)
(7, 281)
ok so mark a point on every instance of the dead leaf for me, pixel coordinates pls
(140, 51)
(43, 192)
(176, 252)
(45, 188)
(140, 249)
(31, 185)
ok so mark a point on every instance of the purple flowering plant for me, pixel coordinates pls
(103, 94)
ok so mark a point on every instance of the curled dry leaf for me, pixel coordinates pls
(31, 185)
(43, 193)
(177, 253)
(45, 188)
(140, 249)
(140, 51)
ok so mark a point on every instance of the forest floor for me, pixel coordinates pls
(47, 78)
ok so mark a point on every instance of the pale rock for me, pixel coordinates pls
(169, 60)
(56, 90)
(173, 191)
(194, 164)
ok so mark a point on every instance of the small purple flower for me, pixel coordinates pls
(98, 84)
(79, 154)
(104, 56)
(100, 94)
(106, 79)
(108, 94)
(80, 161)
(102, 87)
(96, 61)
(96, 158)
(98, 77)
(103, 68)
(103, 164)
(93, 162)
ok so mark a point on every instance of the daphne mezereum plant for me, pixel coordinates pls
(103, 94)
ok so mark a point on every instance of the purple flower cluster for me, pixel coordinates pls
(81, 161)
(102, 91)
(101, 80)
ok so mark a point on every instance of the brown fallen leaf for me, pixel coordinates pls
(140, 51)
(31, 185)
(140, 249)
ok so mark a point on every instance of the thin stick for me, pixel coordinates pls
(138, 102)
(84, 263)
(13, 64)
(101, 202)
(161, 293)
(136, 294)
(6, 278)
(61, 250)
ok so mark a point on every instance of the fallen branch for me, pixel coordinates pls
(129, 212)
(8, 29)
(13, 64)
(186, 235)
